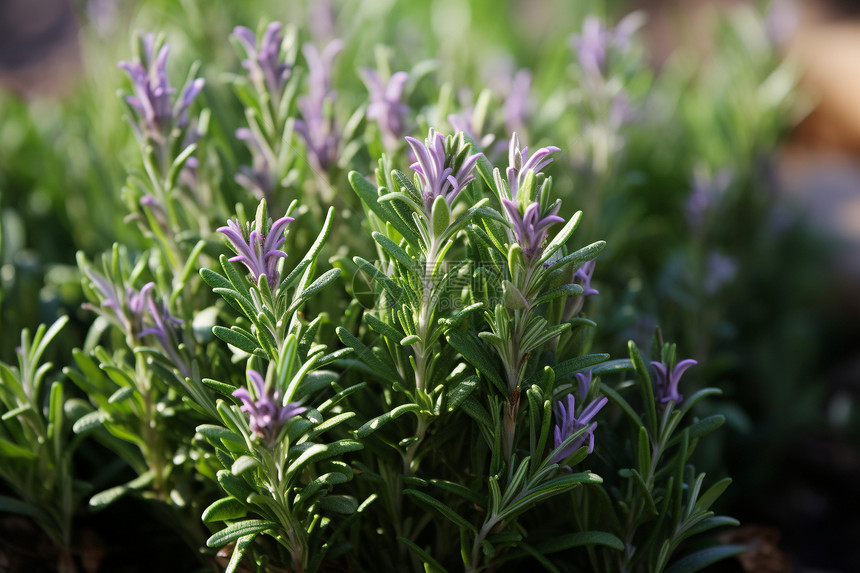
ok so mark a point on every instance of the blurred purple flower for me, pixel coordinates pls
(516, 107)
(593, 45)
(266, 415)
(707, 190)
(386, 104)
(163, 323)
(266, 69)
(258, 178)
(581, 277)
(152, 93)
(530, 228)
(519, 163)
(567, 424)
(317, 126)
(719, 270)
(434, 166)
(666, 381)
(259, 252)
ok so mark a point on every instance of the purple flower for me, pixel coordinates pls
(465, 122)
(568, 423)
(152, 93)
(666, 381)
(266, 415)
(530, 228)
(317, 126)
(442, 166)
(386, 104)
(583, 385)
(519, 163)
(582, 276)
(258, 251)
(265, 67)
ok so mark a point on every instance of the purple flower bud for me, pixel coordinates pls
(386, 104)
(582, 277)
(583, 385)
(436, 168)
(530, 228)
(152, 94)
(266, 69)
(666, 381)
(568, 423)
(259, 252)
(266, 415)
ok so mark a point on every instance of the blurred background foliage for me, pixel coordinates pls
(741, 279)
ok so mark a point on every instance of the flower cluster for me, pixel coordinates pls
(529, 218)
(266, 415)
(568, 422)
(266, 68)
(158, 115)
(386, 106)
(443, 166)
(258, 249)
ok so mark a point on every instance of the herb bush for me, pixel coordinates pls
(344, 310)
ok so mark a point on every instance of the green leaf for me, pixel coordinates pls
(237, 530)
(701, 559)
(369, 195)
(87, 422)
(323, 281)
(121, 395)
(446, 511)
(460, 490)
(710, 523)
(225, 509)
(376, 423)
(558, 292)
(441, 216)
(548, 489)
(396, 252)
(108, 496)
(239, 550)
(470, 348)
(234, 485)
(645, 387)
(20, 507)
(572, 365)
(11, 450)
(570, 540)
(702, 427)
(707, 499)
(430, 564)
(612, 366)
(237, 337)
(243, 464)
(344, 504)
(561, 237)
(456, 395)
(366, 355)
(477, 412)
